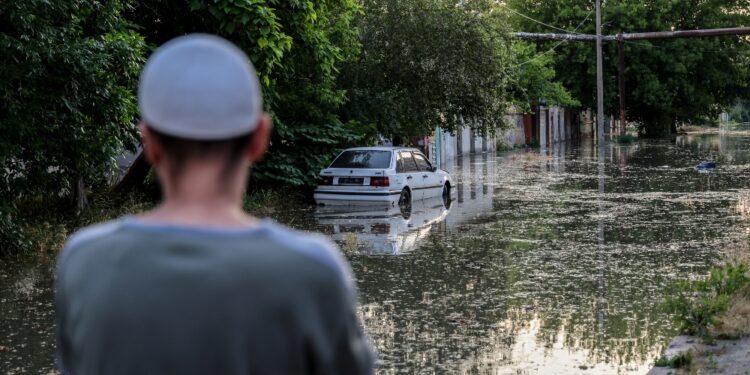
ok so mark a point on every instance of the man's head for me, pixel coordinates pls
(201, 105)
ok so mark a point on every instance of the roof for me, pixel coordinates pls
(382, 148)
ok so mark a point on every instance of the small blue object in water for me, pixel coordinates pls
(705, 166)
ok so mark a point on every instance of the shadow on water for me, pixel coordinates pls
(531, 268)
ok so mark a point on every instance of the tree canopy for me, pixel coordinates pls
(66, 88)
(298, 48)
(429, 62)
(536, 79)
(667, 81)
(67, 104)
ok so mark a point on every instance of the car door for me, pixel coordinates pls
(412, 174)
(431, 184)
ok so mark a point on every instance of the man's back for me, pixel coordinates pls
(136, 297)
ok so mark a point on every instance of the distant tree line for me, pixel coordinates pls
(740, 111)
(335, 73)
(668, 82)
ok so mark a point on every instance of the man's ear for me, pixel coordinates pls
(258, 144)
(151, 147)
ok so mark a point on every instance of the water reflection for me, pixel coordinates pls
(562, 265)
(381, 231)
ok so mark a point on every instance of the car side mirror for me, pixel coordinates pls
(433, 169)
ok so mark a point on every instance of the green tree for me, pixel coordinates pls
(429, 62)
(298, 48)
(740, 111)
(536, 79)
(67, 73)
(667, 81)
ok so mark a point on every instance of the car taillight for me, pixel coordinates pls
(380, 228)
(326, 180)
(379, 181)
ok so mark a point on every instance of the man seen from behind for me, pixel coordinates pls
(197, 286)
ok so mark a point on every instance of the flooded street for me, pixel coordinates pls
(540, 263)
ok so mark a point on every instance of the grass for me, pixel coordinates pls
(503, 147)
(713, 306)
(734, 322)
(44, 224)
(683, 361)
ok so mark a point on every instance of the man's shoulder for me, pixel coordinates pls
(312, 246)
(89, 235)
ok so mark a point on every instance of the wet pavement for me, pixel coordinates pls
(546, 260)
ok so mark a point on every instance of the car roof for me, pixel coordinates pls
(382, 148)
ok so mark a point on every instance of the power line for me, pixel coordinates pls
(540, 22)
(558, 44)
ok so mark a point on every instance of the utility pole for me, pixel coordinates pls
(621, 81)
(599, 78)
(602, 287)
(620, 38)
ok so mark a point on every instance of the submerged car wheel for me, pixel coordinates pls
(446, 192)
(405, 199)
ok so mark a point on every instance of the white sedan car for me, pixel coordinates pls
(390, 175)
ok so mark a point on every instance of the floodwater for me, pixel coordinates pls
(547, 261)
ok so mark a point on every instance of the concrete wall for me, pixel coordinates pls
(466, 135)
(554, 127)
(514, 136)
(543, 136)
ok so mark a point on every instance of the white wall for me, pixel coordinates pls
(465, 140)
(543, 127)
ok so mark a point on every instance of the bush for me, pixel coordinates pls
(67, 107)
(697, 304)
(504, 147)
(682, 360)
(625, 139)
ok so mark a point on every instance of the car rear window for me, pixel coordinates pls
(363, 159)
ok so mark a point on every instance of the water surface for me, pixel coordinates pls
(547, 260)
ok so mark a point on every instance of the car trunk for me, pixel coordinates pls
(352, 177)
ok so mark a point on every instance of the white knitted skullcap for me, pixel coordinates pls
(200, 87)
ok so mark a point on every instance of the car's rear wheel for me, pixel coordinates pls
(405, 199)
(446, 192)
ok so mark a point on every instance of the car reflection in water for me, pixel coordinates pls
(382, 231)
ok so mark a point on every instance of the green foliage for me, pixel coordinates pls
(740, 111)
(682, 360)
(503, 147)
(429, 62)
(298, 48)
(696, 304)
(67, 108)
(66, 97)
(667, 81)
(536, 79)
(625, 139)
(12, 238)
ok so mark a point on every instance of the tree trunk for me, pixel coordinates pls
(135, 176)
(79, 194)
(658, 125)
